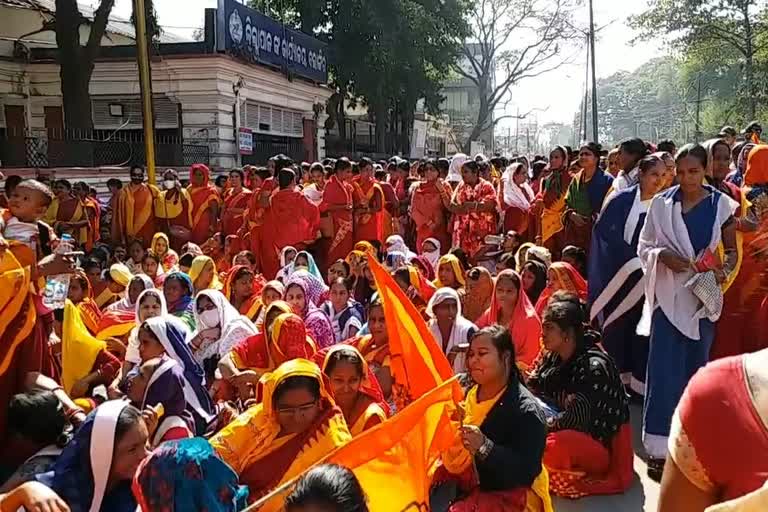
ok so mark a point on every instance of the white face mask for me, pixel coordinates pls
(169, 184)
(209, 318)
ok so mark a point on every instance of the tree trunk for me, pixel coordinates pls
(749, 65)
(75, 94)
(380, 116)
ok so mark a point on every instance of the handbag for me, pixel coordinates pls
(705, 287)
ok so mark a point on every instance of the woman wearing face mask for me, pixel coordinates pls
(173, 208)
(294, 426)
(94, 471)
(219, 327)
(166, 337)
(552, 194)
(354, 387)
(452, 331)
(505, 464)
(616, 280)
(161, 247)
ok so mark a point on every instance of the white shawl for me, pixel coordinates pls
(459, 331)
(234, 327)
(514, 196)
(665, 229)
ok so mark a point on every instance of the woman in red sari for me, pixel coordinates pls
(337, 202)
(516, 198)
(205, 204)
(562, 276)
(430, 207)
(710, 459)
(474, 204)
(236, 200)
(511, 307)
(369, 204)
(243, 290)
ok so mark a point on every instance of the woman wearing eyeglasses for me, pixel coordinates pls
(295, 425)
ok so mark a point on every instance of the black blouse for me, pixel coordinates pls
(516, 426)
(587, 389)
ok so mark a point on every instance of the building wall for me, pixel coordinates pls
(201, 84)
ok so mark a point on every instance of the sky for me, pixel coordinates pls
(553, 97)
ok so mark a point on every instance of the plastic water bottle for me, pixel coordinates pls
(57, 287)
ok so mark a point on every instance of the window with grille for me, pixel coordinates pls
(166, 112)
(263, 118)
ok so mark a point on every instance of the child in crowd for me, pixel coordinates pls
(22, 222)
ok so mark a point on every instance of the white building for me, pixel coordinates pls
(245, 74)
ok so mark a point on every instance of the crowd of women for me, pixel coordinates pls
(211, 363)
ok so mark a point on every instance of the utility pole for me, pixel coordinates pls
(145, 83)
(517, 130)
(586, 100)
(698, 109)
(594, 74)
(528, 140)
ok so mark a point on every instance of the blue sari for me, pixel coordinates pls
(616, 284)
(80, 474)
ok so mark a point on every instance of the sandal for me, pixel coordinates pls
(655, 469)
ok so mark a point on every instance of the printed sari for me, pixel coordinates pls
(374, 408)
(253, 447)
(553, 192)
(232, 219)
(203, 199)
(89, 309)
(289, 340)
(471, 228)
(368, 194)
(584, 197)
(430, 213)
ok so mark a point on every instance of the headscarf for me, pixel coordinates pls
(314, 287)
(525, 325)
(424, 267)
(396, 259)
(126, 304)
(88, 308)
(187, 475)
(367, 247)
(542, 254)
(540, 272)
(284, 254)
(454, 170)
(184, 304)
(132, 353)
(395, 243)
(312, 266)
(566, 278)
(459, 331)
(287, 331)
(250, 437)
(193, 249)
(514, 195)
(710, 147)
(166, 387)
(434, 256)
(169, 259)
(521, 256)
(757, 166)
(79, 349)
(453, 261)
(172, 334)
(741, 164)
(318, 325)
(81, 472)
(234, 326)
(198, 265)
(121, 274)
(478, 296)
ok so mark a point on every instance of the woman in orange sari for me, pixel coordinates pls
(81, 295)
(236, 200)
(374, 347)
(474, 206)
(337, 203)
(353, 387)
(553, 191)
(562, 276)
(173, 209)
(243, 290)
(295, 425)
(232, 246)
(511, 307)
(430, 205)
(205, 204)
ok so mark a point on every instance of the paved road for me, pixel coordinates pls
(643, 496)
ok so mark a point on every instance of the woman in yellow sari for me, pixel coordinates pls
(296, 425)
(449, 273)
(354, 387)
(204, 275)
(498, 468)
(553, 191)
(81, 295)
(374, 348)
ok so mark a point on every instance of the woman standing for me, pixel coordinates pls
(685, 224)
(511, 308)
(616, 281)
(580, 383)
(584, 198)
(631, 151)
(516, 198)
(236, 199)
(553, 191)
(474, 205)
(337, 204)
(430, 207)
(205, 204)
(508, 474)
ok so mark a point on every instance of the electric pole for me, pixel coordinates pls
(586, 100)
(594, 74)
(698, 108)
(517, 130)
(145, 84)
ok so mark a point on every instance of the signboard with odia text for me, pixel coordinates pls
(251, 36)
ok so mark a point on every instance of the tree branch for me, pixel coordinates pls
(98, 28)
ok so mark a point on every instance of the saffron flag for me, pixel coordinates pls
(417, 362)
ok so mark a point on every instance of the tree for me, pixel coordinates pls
(513, 40)
(76, 61)
(713, 27)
